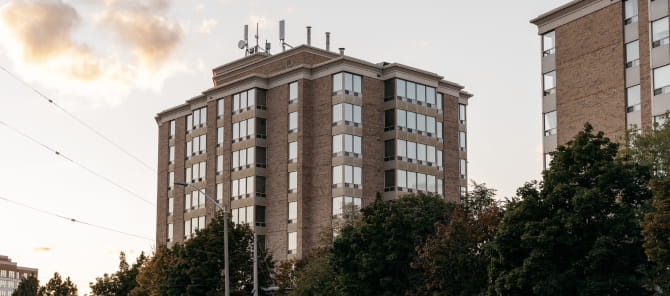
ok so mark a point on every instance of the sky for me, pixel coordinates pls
(114, 64)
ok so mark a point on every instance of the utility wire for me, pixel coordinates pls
(78, 120)
(73, 219)
(76, 163)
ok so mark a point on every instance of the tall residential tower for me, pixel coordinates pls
(286, 141)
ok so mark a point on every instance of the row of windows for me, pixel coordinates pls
(197, 145)
(412, 151)
(197, 119)
(244, 158)
(402, 179)
(244, 187)
(12, 274)
(350, 176)
(197, 172)
(347, 83)
(349, 144)
(244, 101)
(250, 215)
(423, 94)
(343, 204)
(245, 129)
(351, 114)
(193, 225)
(413, 122)
(194, 200)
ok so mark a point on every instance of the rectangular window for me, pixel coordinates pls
(463, 168)
(420, 92)
(411, 150)
(189, 122)
(633, 98)
(236, 131)
(411, 180)
(170, 206)
(401, 178)
(170, 180)
(421, 122)
(421, 182)
(659, 29)
(389, 149)
(292, 212)
(548, 43)
(171, 154)
(439, 157)
(411, 90)
(401, 118)
(337, 174)
(219, 163)
(549, 83)
(337, 143)
(461, 113)
(292, 92)
(337, 82)
(357, 84)
(293, 151)
(411, 120)
(172, 128)
(401, 147)
(293, 181)
(550, 123)
(632, 54)
(430, 95)
(170, 232)
(219, 192)
(438, 129)
(461, 141)
(662, 80)
(630, 11)
(219, 136)
(189, 177)
(292, 122)
(219, 108)
(203, 171)
(187, 228)
(352, 83)
(440, 187)
(337, 113)
(430, 125)
(292, 242)
(338, 202)
(421, 152)
(400, 87)
(440, 98)
(348, 112)
(430, 154)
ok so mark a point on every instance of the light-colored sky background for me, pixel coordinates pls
(99, 60)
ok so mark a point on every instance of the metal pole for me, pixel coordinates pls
(225, 236)
(255, 262)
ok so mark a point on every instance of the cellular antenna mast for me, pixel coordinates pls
(244, 44)
(282, 35)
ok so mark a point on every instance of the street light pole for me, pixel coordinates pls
(225, 235)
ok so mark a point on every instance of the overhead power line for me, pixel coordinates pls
(79, 120)
(108, 180)
(73, 219)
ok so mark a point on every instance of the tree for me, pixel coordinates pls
(152, 275)
(314, 275)
(57, 287)
(454, 260)
(578, 232)
(27, 287)
(372, 256)
(121, 282)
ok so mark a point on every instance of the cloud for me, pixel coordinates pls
(206, 26)
(41, 249)
(136, 42)
(144, 27)
(199, 7)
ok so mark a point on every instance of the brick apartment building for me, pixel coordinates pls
(11, 275)
(606, 62)
(287, 140)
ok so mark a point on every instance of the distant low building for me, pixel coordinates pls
(11, 274)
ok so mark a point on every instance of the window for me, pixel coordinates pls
(196, 145)
(292, 182)
(662, 80)
(348, 144)
(461, 113)
(219, 136)
(417, 181)
(352, 175)
(401, 148)
(189, 122)
(197, 119)
(245, 129)
(244, 158)
(293, 242)
(170, 206)
(389, 150)
(244, 101)
(196, 172)
(170, 154)
(243, 187)
(630, 11)
(430, 154)
(401, 118)
(659, 32)
(292, 122)
(463, 167)
(430, 96)
(219, 108)
(411, 90)
(400, 87)
(219, 192)
(170, 232)
(550, 123)
(187, 229)
(350, 113)
(633, 98)
(547, 160)
(292, 92)
(219, 164)
(292, 212)
(172, 128)
(170, 180)
(345, 205)
(244, 215)
(292, 151)
(411, 150)
(438, 130)
(632, 54)
(440, 98)
(548, 43)
(351, 82)
(549, 83)
(462, 141)
(194, 200)
(421, 92)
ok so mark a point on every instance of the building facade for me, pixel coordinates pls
(288, 141)
(11, 275)
(606, 62)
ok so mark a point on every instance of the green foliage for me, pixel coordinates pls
(454, 260)
(121, 282)
(372, 256)
(56, 286)
(314, 275)
(578, 232)
(196, 267)
(27, 287)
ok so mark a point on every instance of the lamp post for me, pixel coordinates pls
(225, 235)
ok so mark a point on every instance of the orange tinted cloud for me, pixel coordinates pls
(43, 31)
(41, 249)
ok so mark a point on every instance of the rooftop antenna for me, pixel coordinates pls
(256, 36)
(282, 35)
(244, 44)
(309, 35)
